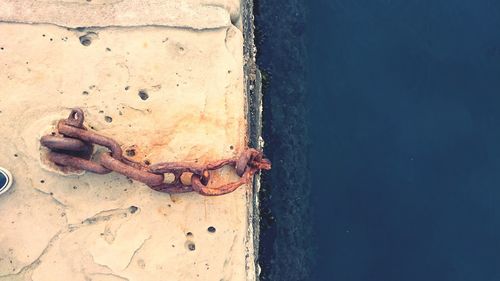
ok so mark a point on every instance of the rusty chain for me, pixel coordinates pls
(73, 147)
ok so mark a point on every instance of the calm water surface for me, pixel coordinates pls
(382, 119)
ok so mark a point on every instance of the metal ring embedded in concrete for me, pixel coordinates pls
(6, 180)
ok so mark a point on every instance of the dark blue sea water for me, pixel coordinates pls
(382, 119)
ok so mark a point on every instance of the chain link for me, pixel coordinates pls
(73, 146)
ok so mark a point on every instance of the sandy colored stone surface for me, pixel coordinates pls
(91, 227)
(195, 14)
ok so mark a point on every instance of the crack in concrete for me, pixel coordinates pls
(28, 269)
(99, 217)
(143, 111)
(99, 264)
(104, 216)
(59, 203)
(226, 268)
(136, 251)
(108, 215)
(124, 65)
(183, 27)
(109, 273)
(112, 275)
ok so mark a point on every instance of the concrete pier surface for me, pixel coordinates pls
(166, 78)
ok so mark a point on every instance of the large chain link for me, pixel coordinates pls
(73, 147)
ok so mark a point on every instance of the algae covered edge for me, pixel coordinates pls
(253, 90)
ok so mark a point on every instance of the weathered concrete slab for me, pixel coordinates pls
(89, 227)
(195, 14)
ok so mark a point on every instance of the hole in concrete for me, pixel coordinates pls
(133, 209)
(85, 40)
(127, 87)
(231, 147)
(85, 93)
(75, 187)
(147, 162)
(143, 95)
(108, 119)
(211, 229)
(130, 152)
(189, 234)
(15, 155)
(191, 246)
